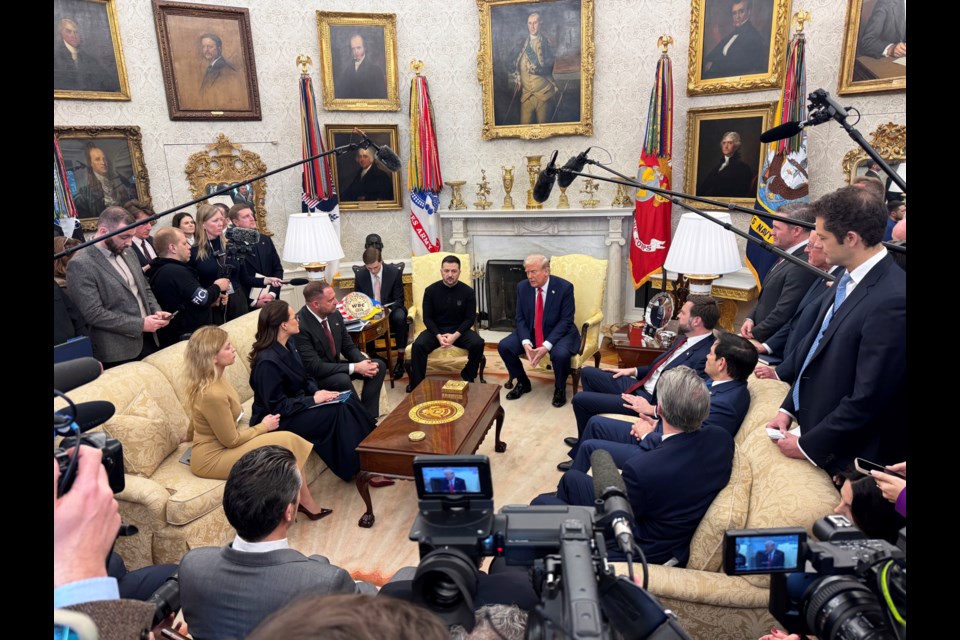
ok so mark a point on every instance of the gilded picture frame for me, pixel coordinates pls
(224, 164)
(755, 60)
(706, 128)
(358, 61)
(890, 141)
(872, 26)
(378, 189)
(105, 167)
(98, 72)
(536, 73)
(206, 54)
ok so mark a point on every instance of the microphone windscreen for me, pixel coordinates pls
(74, 373)
(544, 185)
(606, 476)
(389, 159)
(575, 163)
(90, 414)
(785, 130)
(297, 281)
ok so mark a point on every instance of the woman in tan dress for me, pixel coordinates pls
(218, 443)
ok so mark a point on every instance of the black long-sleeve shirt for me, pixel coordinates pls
(449, 309)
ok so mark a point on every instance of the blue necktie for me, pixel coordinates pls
(837, 301)
(709, 382)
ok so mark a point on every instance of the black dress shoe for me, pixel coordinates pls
(323, 513)
(519, 389)
(398, 371)
(559, 397)
(409, 388)
(570, 441)
(565, 465)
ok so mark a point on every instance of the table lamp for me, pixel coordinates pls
(702, 251)
(311, 241)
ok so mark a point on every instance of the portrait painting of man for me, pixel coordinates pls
(358, 61)
(208, 62)
(87, 57)
(736, 38)
(875, 47)
(362, 181)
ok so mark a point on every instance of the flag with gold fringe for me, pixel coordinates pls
(423, 172)
(64, 211)
(783, 178)
(318, 192)
(650, 240)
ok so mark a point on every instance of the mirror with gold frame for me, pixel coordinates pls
(890, 141)
(225, 164)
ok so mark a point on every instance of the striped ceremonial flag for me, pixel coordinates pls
(423, 174)
(64, 211)
(783, 178)
(318, 192)
(650, 240)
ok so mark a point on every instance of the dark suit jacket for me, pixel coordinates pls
(440, 485)
(735, 181)
(264, 260)
(366, 81)
(729, 403)
(853, 392)
(671, 487)
(747, 55)
(783, 288)
(213, 72)
(144, 260)
(391, 284)
(558, 311)
(887, 24)
(227, 592)
(375, 185)
(87, 73)
(762, 560)
(789, 335)
(694, 357)
(280, 383)
(314, 347)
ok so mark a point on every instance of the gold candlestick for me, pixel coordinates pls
(507, 186)
(533, 170)
(483, 190)
(564, 201)
(456, 201)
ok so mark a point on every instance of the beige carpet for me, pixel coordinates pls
(534, 432)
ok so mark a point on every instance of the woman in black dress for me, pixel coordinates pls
(281, 385)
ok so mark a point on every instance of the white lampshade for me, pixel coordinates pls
(702, 247)
(311, 238)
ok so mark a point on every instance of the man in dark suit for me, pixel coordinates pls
(449, 483)
(383, 282)
(216, 66)
(885, 34)
(729, 363)
(671, 486)
(142, 242)
(322, 341)
(605, 391)
(76, 68)
(263, 266)
(227, 591)
(110, 291)
(849, 391)
(785, 283)
(545, 308)
(742, 52)
(371, 183)
(360, 77)
(775, 348)
(769, 558)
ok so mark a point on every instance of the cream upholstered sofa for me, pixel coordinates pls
(766, 489)
(174, 510)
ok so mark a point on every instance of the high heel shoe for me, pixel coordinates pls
(314, 516)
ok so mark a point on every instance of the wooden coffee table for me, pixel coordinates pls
(388, 451)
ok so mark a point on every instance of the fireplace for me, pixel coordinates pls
(501, 280)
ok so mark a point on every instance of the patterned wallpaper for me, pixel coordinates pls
(445, 35)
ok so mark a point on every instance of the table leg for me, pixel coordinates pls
(499, 445)
(386, 319)
(363, 488)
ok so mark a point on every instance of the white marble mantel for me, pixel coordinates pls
(499, 234)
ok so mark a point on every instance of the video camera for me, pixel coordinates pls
(240, 241)
(580, 595)
(857, 589)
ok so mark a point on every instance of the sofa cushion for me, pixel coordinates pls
(146, 435)
(190, 497)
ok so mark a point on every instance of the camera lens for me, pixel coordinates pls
(439, 590)
(839, 607)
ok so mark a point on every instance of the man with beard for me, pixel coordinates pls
(112, 294)
(732, 178)
(741, 52)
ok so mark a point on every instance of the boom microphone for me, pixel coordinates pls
(296, 281)
(785, 130)
(575, 163)
(385, 154)
(88, 415)
(541, 190)
(609, 487)
(71, 374)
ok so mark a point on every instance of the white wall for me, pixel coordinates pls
(445, 35)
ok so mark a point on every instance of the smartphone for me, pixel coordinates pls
(775, 434)
(865, 467)
(174, 314)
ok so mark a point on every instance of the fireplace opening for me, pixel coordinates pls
(501, 278)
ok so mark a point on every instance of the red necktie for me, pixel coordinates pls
(451, 486)
(333, 346)
(538, 320)
(664, 361)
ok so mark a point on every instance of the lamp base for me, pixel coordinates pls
(316, 270)
(701, 285)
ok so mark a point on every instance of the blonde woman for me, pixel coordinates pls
(209, 257)
(61, 243)
(215, 410)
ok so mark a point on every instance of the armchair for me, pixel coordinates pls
(426, 271)
(371, 347)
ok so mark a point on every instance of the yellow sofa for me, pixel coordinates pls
(174, 510)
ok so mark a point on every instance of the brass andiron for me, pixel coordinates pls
(483, 190)
(456, 202)
(507, 186)
(590, 189)
(533, 170)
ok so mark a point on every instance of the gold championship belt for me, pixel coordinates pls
(436, 412)
(360, 306)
